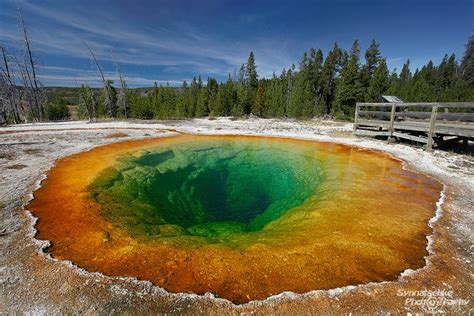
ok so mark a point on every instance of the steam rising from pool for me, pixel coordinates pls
(241, 217)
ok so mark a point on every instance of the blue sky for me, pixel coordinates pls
(174, 40)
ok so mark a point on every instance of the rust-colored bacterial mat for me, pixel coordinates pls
(241, 217)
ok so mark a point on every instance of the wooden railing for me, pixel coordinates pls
(421, 122)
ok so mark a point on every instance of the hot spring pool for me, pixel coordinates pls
(241, 217)
(216, 189)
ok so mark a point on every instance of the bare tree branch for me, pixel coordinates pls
(9, 92)
(37, 96)
(96, 63)
(122, 100)
(109, 91)
(28, 49)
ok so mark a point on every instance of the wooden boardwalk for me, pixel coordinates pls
(427, 123)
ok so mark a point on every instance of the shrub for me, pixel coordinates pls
(341, 116)
(57, 110)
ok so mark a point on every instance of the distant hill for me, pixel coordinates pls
(71, 94)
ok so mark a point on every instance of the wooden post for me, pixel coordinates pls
(429, 145)
(392, 121)
(356, 117)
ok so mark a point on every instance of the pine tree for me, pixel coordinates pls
(155, 101)
(239, 104)
(242, 75)
(141, 106)
(429, 72)
(182, 101)
(213, 91)
(301, 102)
(194, 93)
(402, 87)
(202, 103)
(167, 99)
(275, 97)
(372, 58)
(328, 78)
(423, 84)
(259, 104)
(421, 90)
(250, 84)
(405, 74)
(297, 97)
(349, 89)
(316, 65)
(230, 96)
(447, 77)
(308, 73)
(379, 83)
(288, 79)
(252, 72)
(238, 108)
(393, 83)
(467, 64)
(216, 104)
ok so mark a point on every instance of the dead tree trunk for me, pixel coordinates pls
(123, 93)
(29, 65)
(93, 102)
(88, 98)
(109, 103)
(9, 91)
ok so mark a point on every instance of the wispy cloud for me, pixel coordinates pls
(67, 76)
(178, 47)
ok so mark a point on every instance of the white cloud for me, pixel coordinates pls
(179, 47)
(67, 76)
